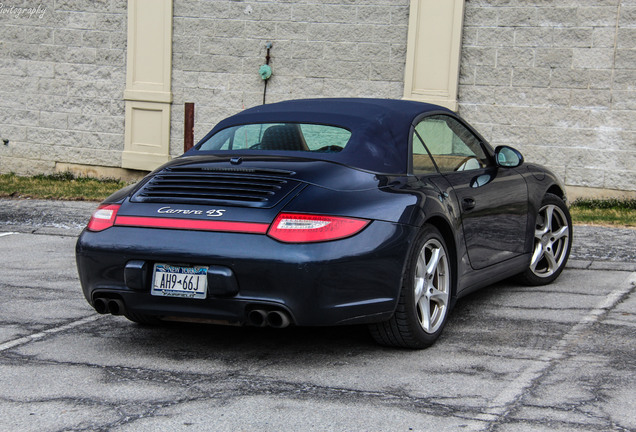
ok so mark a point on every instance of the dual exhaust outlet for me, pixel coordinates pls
(256, 317)
(111, 306)
(272, 318)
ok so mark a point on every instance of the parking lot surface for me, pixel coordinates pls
(512, 358)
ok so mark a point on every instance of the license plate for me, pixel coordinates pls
(180, 281)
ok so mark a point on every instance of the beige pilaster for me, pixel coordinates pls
(433, 51)
(148, 73)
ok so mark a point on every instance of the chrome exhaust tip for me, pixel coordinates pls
(100, 305)
(116, 307)
(278, 319)
(257, 318)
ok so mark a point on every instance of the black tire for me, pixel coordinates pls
(142, 319)
(552, 242)
(425, 287)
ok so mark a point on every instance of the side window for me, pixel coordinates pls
(422, 162)
(452, 145)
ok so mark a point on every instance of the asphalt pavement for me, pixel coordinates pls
(511, 358)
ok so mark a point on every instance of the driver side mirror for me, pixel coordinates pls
(507, 157)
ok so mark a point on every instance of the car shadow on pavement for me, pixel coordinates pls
(188, 341)
(193, 341)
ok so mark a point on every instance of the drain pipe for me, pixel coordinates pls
(265, 71)
(188, 127)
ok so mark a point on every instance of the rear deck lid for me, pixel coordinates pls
(217, 185)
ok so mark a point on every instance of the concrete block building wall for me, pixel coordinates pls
(319, 49)
(558, 81)
(62, 75)
(555, 79)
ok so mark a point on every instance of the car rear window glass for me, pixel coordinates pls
(279, 136)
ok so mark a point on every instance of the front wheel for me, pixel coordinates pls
(425, 298)
(552, 242)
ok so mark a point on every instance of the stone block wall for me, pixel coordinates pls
(62, 77)
(321, 48)
(557, 80)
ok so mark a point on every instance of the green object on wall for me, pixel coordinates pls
(265, 71)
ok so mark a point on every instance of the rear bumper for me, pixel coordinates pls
(353, 280)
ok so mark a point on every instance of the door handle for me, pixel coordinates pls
(468, 204)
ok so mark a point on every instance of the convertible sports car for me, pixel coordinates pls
(326, 212)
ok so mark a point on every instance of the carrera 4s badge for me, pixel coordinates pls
(208, 213)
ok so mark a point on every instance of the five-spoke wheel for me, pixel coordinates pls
(552, 242)
(425, 299)
(432, 286)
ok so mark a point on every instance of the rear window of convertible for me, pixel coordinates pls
(279, 136)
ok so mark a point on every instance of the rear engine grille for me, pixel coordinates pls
(246, 187)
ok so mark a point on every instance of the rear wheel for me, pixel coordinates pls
(425, 298)
(552, 242)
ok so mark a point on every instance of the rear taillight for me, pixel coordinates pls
(309, 228)
(103, 217)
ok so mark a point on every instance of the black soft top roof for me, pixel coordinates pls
(379, 127)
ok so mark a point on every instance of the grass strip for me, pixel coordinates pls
(63, 186)
(612, 212)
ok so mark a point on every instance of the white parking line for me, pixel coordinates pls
(7, 234)
(506, 400)
(39, 335)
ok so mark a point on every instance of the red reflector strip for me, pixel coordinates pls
(192, 224)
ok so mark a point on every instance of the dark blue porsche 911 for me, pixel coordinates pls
(326, 212)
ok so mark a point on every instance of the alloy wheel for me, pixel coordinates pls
(432, 286)
(551, 240)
